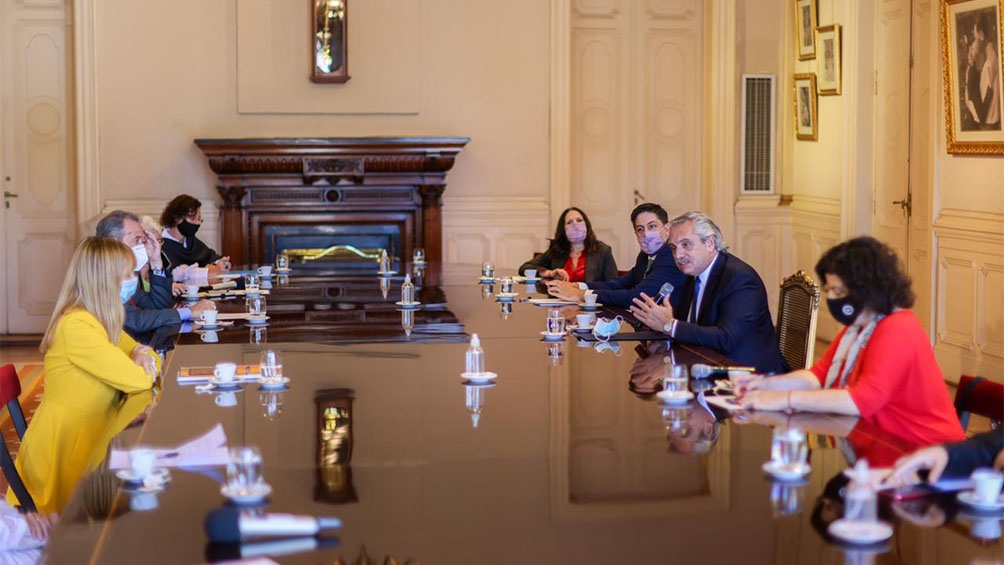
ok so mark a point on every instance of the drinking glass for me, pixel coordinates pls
(507, 285)
(244, 468)
(487, 270)
(270, 366)
(252, 284)
(676, 380)
(256, 309)
(788, 448)
(555, 322)
(419, 256)
(282, 262)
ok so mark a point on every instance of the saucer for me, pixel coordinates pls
(278, 270)
(280, 385)
(860, 532)
(968, 498)
(548, 336)
(506, 296)
(408, 305)
(158, 477)
(590, 307)
(221, 385)
(577, 329)
(263, 321)
(386, 273)
(783, 473)
(249, 495)
(485, 377)
(674, 398)
(208, 328)
(531, 281)
(487, 280)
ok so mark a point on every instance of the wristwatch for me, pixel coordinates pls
(157, 272)
(667, 328)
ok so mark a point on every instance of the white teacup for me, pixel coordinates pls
(987, 484)
(141, 460)
(226, 399)
(584, 321)
(225, 372)
(192, 289)
(265, 270)
(590, 298)
(530, 273)
(209, 317)
(210, 337)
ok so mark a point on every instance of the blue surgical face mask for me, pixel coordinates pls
(128, 288)
(605, 328)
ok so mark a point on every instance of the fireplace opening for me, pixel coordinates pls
(349, 248)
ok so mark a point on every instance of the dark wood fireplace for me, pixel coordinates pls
(369, 193)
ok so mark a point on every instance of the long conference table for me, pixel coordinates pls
(567, 458)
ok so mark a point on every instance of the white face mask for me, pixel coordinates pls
(141, 257)
(605, 328)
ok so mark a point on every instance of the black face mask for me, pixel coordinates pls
(188, 229)
(844, 310)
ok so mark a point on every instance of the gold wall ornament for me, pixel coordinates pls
(329, 41)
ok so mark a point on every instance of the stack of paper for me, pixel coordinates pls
(208, 450)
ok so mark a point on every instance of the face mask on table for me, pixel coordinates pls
(605, 328)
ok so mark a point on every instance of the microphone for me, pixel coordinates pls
(665, 291)
(229, 525)
(216, 551)
(702, 371)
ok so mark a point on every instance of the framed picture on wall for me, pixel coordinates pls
(828, 59)
(971, 33)
(805, 26)
(805, 107)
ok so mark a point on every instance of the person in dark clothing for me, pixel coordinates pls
(181, 219)
(957, 459)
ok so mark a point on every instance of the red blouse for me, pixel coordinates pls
(576, 273)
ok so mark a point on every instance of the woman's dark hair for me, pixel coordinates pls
(560, 243)
(182, 206)
(871, 271)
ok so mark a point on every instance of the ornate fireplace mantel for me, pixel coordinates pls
(397, 181)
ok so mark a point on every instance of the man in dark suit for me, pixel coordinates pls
(721, 305)
(653, 268)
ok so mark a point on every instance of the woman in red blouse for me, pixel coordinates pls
(575, 255)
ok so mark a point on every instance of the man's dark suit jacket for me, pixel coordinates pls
(621, 291)
(734, 317)
(979, 451)
(600, 264)
(147, 311)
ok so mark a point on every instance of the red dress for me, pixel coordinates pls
(897, 382)
(576, 273)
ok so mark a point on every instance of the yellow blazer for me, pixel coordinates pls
(85, 376)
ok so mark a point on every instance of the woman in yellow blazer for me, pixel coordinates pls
(89, 363)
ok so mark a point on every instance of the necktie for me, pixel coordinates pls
(648, 268)
(693, 303)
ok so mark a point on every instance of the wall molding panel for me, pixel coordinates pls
(504, 230)
(969, 295)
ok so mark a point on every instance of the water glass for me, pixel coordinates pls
(487, 270)
(788, 448)
(676, 380)
(282, 262)
(252, 284)
(419, 256)
(244, 469)
(270, 366)
(507, 285)
(555, 322)
(256, 309)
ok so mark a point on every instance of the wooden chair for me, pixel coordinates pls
(796, 319)
(10, 389)
(977, 395)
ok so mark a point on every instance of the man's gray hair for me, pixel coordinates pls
(111, 225)
(704, 227)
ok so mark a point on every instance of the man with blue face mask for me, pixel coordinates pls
(145, 311)
(653, 268)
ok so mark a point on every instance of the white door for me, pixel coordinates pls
(636, 84)
(901, 211)
(39, 229)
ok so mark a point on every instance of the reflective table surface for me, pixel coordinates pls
(567, 457)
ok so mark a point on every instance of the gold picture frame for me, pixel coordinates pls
(806, 117)
(972, 32)
(828, 59)
(805, 26)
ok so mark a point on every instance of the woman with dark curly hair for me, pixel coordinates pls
(575, 255)
(881, 366)
(182, 218)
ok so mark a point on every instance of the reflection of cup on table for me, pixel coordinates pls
(986, 528)
(141, 459)
(987, 485)
(226, 399)
(225, 372)
(530, 273)
(590, 298)
(141, 501)
(584, 321)
(210, 337)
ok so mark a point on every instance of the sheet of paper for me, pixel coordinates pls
(551, 302)
(232, 316)
(206, 450)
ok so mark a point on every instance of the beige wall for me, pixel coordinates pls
(165, 77)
